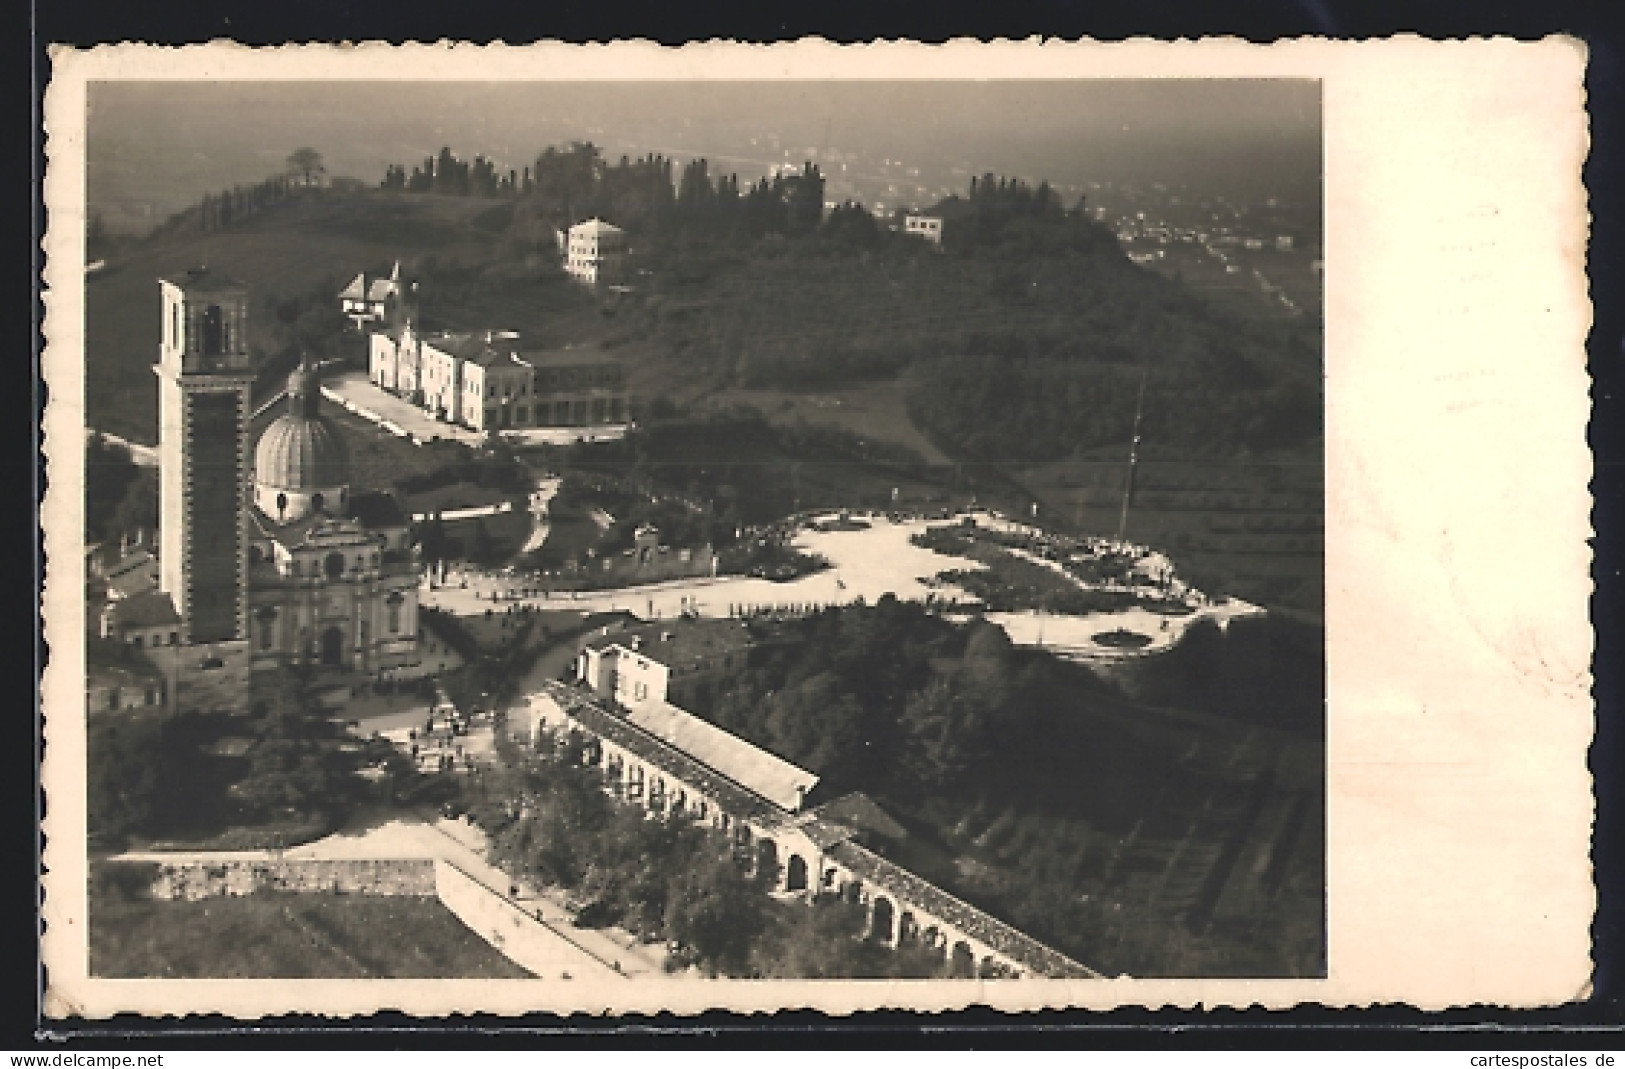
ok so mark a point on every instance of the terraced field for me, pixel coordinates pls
(1253, 529)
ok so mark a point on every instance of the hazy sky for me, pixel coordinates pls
(164, 144)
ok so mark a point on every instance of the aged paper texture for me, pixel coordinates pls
(1458, 805)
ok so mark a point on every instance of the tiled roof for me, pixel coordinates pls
(496, 357)
(356, 290)
(750, 766)
(152, 608)
(462, 346)
(736, 800)
(1044, 961)
(203, 280)
(822, 833)
(679, 643)
(860, 811)
(595, 227)
(126, 584)
(585, 356)
(137, 672)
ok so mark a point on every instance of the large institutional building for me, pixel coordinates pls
(481, 380)
(595, 251)
(265, 556)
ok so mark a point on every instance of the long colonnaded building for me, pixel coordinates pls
(655, 753)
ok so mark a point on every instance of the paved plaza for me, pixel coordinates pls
(352, 391)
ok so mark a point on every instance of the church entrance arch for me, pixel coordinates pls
(332, 646)
(767, 861)
(795, 874)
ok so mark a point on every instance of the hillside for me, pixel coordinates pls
(295, 257)
(1020, 346)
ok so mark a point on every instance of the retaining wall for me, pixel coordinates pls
(193, 880)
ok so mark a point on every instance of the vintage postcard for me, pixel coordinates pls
(623, 528)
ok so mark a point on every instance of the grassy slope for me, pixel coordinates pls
(289, 936)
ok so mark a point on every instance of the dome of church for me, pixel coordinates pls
(301, 453)
(300, 450)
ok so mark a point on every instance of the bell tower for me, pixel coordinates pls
(204, 375)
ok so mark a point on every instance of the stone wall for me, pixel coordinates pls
(193, 880)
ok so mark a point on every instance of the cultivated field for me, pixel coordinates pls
(1254, 529)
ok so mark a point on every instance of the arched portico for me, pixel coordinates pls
(880, 920)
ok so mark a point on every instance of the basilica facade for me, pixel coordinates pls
(332, 577)
(267, 556)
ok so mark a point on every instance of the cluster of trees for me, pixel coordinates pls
(1007, 214)
(644, 195)
(293, 324)
(160, 776)
(888, 698)
(1012, 756)
(1028, 334)
(121, 497)
(667, 880)
(218, 211)
(447, 175)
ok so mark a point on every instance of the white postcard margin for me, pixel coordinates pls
(1457, 519)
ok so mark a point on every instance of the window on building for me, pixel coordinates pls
(136, 641)
(334, 565)
(151, 697)
(174, 638)
(392, 609)
(112, 700)
(214, 331)
(316, 503)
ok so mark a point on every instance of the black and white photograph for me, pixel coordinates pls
(688, 531)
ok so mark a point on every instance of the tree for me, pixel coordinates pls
(714, 912)
(307, 164)
(124, 776)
